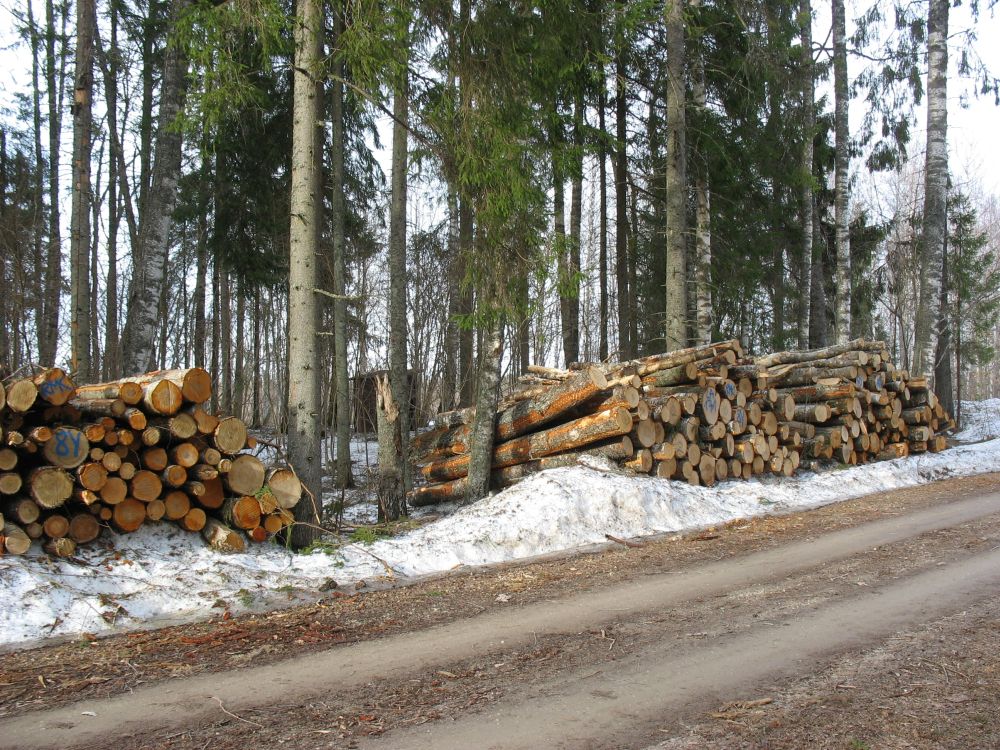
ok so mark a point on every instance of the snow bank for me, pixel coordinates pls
(161, 574)
(980, 421)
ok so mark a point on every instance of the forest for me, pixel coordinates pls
(297, 198)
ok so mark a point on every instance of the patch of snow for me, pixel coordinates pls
(161, 574)
(980, 421)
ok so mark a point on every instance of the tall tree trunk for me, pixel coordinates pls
(150, 30)
(303, 363)
(626, 347)
(38, 199)
(676, 180)
(934, 226)
(150, 258)
(559, 241)
(257, 374)
(54, 74)
(449, 378)
(571, 332)
(842, 308)
(83, 91)
(943, 383)
(111, 344)
(466, 336)
(201, 261)
(226, 335)
(239, 386)
(398, 276)
(806, 197)
(602, 253)
(703, 220)
(484, 422)
(344, 477)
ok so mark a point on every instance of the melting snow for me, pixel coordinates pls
(161, 574)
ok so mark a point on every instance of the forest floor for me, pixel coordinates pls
(870, 623)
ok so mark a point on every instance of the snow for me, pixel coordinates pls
(162, 575)
(980, 421)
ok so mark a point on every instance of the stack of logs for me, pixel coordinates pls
(700, 415)
(74, 459)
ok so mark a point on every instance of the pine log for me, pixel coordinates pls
(83, 528)
(128, 515)
(176, 504)
(50, 486)
(439, 438)
(245, 476)
(174, 476)
(780, 358)
(8, 459)
(654, 363)
(145, 486)
(259, 534)
(222, 538)
(242, 512)
(574, 434)
(181, 426)
(209, 493)
(155, 459)
(230, 437)
(206, 423)
(16, 540)
(201, 472)
(130, 393)
(529, 415)
(285, 486)
(184, 454)
(10, 483)
(23, 510)
(21, 395)
(194, 520)
(105, 407)
(114, 490)
(55, 526)
(155, 510)
(67, 449)
(92, 476)
(54, 386)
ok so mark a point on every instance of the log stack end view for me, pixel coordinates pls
(699, 415)
(76, 459)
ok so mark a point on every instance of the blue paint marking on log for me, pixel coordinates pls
(67, 442)
(51, 387)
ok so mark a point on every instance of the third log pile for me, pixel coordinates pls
(701, 415)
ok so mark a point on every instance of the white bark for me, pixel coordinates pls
(934, 225)
(703, 225)
(150, 257)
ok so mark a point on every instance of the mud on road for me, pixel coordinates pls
(888, 689)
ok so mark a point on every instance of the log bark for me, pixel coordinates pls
(222, 538)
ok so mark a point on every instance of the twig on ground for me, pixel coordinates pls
(625, 542)
(227, 712)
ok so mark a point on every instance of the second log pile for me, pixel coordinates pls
(700, 415)
(142, 449)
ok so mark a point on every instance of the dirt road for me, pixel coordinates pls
(640, 661)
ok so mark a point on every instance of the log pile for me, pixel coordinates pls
(76, 459)
(700, 415)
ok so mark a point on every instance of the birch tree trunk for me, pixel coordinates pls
(110, 366)
(344, 476)
(150, 257)
(303, 366)
(83, 91)
(934, 225)
(842, 308)
(806, 196)
(38, 255)
(676, 181)
(398, 275)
